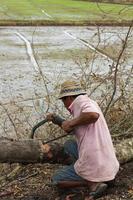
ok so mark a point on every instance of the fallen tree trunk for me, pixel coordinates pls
(20, 151)
(33, 151)
(124, 150)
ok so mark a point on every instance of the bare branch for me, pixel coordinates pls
(10, 118)
(116, 69)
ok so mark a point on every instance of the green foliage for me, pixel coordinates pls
(64, 11)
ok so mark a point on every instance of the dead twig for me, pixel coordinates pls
(10, 118)
(116, 70)
(6, 193)
(29, 176)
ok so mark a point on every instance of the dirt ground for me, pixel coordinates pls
(31, 182)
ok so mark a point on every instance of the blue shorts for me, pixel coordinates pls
(68, 173)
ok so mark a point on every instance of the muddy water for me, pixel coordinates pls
(59, 53)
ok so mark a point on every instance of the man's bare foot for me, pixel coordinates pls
(68, 197)
(89, 198)
(97, 191)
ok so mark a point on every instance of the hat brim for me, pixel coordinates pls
(71, 94)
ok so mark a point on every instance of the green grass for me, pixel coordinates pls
(63, 11)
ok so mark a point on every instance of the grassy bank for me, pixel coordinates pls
(63, 12)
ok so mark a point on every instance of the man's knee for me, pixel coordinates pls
(67, 173)
(59, 176)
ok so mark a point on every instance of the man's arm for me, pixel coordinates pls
(83, 119)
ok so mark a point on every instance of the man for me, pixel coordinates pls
(95, 163)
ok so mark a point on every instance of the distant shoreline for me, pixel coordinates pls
(67, 23)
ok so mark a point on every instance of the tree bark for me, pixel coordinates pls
(33, 151)
(124, 150)
(20, 151)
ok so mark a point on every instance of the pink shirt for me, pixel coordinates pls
(97, 160)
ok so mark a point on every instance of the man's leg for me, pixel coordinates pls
(67, 178)
(71, 149)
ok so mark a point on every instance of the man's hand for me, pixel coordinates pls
(67, 126)
(50, 116)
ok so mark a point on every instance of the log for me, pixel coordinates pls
(30, 151)
(33, 151)
(20, 151)
(124, 150)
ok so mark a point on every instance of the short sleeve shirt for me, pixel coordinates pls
(97, 160)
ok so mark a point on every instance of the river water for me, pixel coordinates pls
(56, 52)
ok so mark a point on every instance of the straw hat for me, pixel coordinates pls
(71, 88)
